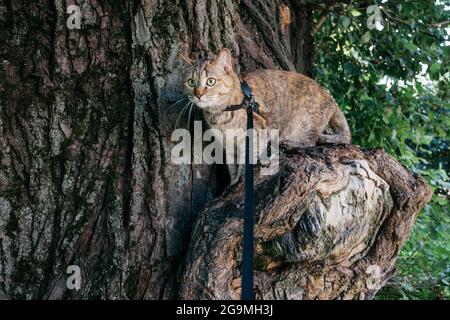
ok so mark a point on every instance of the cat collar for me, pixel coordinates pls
(249, 102)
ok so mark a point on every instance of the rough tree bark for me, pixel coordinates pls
(85, 123)
(329, 225)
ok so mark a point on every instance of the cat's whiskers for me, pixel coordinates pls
(181, 113)
(189, 116)
(177, 102)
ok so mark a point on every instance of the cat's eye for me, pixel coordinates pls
(191, 83)
(210, 82)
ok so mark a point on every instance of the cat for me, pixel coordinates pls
(292, 103)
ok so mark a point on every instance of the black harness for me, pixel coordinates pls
(250, 106)
(249, 102)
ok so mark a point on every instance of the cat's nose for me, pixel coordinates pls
(199, 92)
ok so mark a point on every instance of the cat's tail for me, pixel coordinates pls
(339, 124)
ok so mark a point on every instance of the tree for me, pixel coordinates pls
(328, 226)
(392, 82)
(86, 119)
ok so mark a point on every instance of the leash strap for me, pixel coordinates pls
(249, 219)
(250, 105)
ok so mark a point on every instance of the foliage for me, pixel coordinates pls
(393, 85)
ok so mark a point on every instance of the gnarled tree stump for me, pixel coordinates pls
(329, 225)
(86, 177)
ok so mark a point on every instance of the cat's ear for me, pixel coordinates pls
(189, 61)
(223, 60)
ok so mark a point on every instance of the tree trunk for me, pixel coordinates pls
(329, 225)
(86, 118)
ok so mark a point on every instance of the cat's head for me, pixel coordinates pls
(209, 83)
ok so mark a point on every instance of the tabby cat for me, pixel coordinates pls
(292, 103)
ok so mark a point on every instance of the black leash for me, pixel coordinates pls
(250, 105)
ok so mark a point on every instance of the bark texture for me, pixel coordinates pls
(85, 123)
(329, 225)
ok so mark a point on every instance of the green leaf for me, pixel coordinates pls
(447, 50)
(355, 12)
(351, 69)
(366, 37)
(435, 67)
(442, 201)
(411, 47)
(345, 22)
